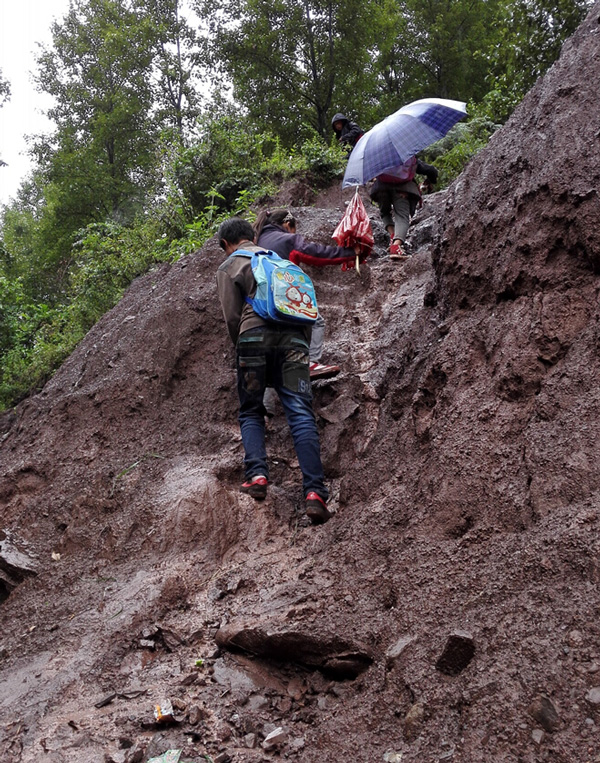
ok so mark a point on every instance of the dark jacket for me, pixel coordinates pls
(235, 281)
(292, 246)
(350, 132)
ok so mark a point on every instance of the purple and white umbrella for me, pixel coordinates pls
(401, 135)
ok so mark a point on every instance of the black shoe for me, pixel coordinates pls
(316, 509)
(256, 487)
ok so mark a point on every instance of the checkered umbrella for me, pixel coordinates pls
(401, 135)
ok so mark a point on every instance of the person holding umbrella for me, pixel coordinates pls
(397, 195)
(388, 152)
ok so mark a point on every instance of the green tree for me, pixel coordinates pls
(438, 51)
(178, 61)
(99, 159)
(4, 96)
(530, 36)
(292, 63)
(4, 90)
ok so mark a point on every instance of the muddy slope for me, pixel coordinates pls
(449, 611)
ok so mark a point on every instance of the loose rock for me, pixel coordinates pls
(544, 713)
(394, 652)
(593, 696)
(275, 739)
(414, 720)
(458, 653)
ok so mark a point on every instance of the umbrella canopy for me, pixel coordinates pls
(401, 135)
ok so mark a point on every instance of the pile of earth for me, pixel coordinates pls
(449, 611)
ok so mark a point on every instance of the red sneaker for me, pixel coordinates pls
(319, 371)
(396, 252)
(316, 509)
(256, 487)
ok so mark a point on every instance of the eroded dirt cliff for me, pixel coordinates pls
(449, 611)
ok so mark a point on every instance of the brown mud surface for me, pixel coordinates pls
(449, 611)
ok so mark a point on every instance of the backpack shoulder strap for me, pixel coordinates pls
(241, 253)
(264, 252)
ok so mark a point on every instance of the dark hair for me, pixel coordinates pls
(235, 230)
(276, 217)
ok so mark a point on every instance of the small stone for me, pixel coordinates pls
(224, 732)
(544, 712)
(396, 649)
(458, 653)
(342, 408)
(257, 702)
(575, 638)
(593, 696)
(151, 632)
(268, 728)
(447, 754)
(296, 689)
(136, 755)
(250, 741)
(105, 700)
(392, 757)
(537, 735)
(276, 738)
(171, 639)
(145, 643)
(196, 714)
(414, 720)
(298, 743)
(284, 705)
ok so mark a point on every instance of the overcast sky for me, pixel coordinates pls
(23, 24)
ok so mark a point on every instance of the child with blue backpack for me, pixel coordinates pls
(270, 351)
(276, 230)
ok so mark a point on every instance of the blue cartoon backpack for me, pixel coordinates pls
(284, 293)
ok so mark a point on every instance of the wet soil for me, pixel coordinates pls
(449, 611)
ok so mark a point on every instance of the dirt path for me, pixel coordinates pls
(450, 609)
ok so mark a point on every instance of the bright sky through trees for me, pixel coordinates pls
(22, 26)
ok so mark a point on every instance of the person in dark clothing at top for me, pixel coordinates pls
(268, 354)
(347, 132)
(276, 230)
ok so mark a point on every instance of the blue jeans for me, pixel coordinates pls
(278, 357)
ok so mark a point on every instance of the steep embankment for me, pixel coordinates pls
(461, 445)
